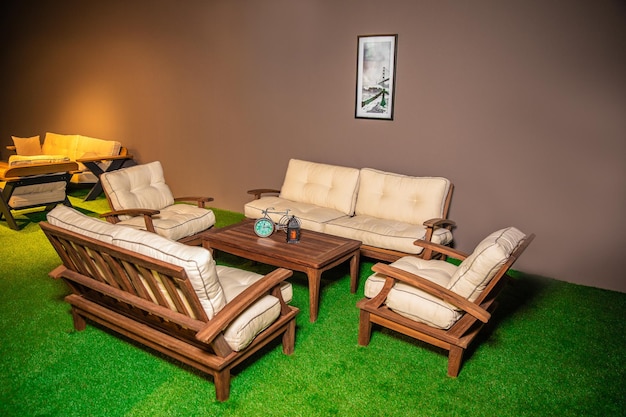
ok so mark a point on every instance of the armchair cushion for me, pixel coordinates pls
(27, 146)
(475, 272)
(140, 186)
(143, 186)
(416, 304)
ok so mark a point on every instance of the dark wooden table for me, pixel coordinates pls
(92, 164)
(315, 253)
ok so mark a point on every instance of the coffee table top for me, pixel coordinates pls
(314, 250)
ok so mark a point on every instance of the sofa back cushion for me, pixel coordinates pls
(139, 186)
(56, 144)
(75, 221)
(88, 147)
(79, 146)
(323, 185)
(402, 198)
(478, 269)
(197, 262)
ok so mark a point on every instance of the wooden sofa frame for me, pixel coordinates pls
(32, 174)
(390, 255)
(458, 337)
(111, 286)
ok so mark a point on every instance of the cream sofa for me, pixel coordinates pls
(74, 147)
(387, 212)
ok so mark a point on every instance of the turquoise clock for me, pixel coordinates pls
(264, 227)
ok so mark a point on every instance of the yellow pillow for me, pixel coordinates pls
(27, 146)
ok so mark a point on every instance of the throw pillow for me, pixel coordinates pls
(27, 146)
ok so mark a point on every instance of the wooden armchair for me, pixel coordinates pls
(140, 198)
(437, 302)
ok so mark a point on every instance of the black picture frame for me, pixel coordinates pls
(376, 76)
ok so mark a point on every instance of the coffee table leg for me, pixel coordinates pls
(354, 271)
(314, 276)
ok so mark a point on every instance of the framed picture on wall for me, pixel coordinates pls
(376, 76)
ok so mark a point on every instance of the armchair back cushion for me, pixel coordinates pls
(477, 270)
(322, 185)
(402, 198)
(140, 186)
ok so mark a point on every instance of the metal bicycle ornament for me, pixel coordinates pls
(265, 226)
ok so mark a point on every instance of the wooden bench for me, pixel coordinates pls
(154, 302)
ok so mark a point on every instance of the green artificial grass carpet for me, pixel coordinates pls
(555, 349)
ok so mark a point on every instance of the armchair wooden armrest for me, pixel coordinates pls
(244, 300)
(431, 225)
(200, 201)
(428, 286)
(258, 192)
(431, 248)
(113, 216)
(11, 148)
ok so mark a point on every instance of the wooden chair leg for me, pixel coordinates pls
(455, 357)
(365, 328)
(79, 321)
(222, 384)
(289, 338)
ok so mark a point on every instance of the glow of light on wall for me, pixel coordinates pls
(91, 109)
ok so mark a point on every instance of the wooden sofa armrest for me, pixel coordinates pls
(244, 300)
(11, 148)
(428, 286)
(200, 201)
(438, 223)
(113, 216)
(258, 192)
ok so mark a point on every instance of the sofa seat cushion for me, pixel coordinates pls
(256, 318)
(327, 186)
(416, 304)
(383, 233)
(311, 216)
(478, 269)
(37, 194)
(402, 198)
(176, 221)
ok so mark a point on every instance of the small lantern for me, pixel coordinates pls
(293, 230)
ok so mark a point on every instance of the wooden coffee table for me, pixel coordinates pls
(315, 253)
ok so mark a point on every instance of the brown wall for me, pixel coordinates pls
(521, 104)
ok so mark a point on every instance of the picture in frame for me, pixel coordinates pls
(376, 73)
